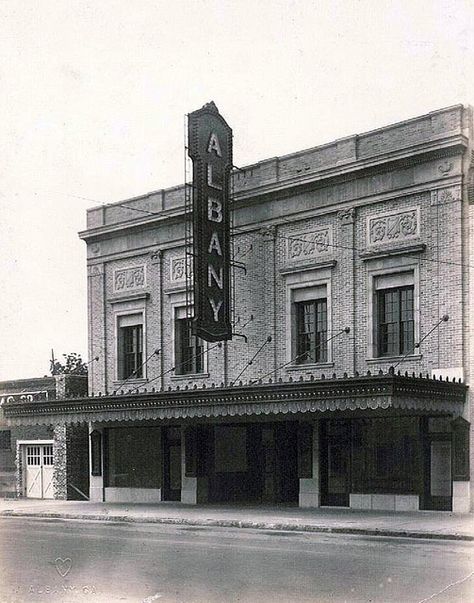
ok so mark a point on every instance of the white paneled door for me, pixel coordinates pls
(39, 471)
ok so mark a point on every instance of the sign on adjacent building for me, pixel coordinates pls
(210, 148)
(23, 397)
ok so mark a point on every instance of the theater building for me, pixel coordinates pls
(346, 382)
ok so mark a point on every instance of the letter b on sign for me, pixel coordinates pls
(214, 210)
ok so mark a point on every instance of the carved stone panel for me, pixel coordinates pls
(178, 270)
(443, 196)
(308, 245)
(393, 227)
(95, 269)
(127, 279)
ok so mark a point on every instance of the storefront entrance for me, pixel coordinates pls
(171, 463)
(335, 463)
(437, 464)
(383, 458)
(254, 463)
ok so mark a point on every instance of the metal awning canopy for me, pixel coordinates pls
(368, 392)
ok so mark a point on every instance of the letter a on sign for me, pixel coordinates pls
(210, 148)
(214, 145)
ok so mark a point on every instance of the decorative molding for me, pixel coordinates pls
(305, 245)
(445, 167)
(372, 392)
(95, 248)
(156, 255)
(405, 250)
(306, 267)
(269, 232)
(178, 270)
(444, 196)
(394, 226)
(118, 299)
(346, 216)
(95, 270)
(126, 279)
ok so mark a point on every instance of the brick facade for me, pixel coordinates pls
(391, 203)
(342, 209)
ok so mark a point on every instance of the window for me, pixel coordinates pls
(386, 455)
(133, 457)
(311, 331)
(395, 321)
(130, 346)
(189, 349)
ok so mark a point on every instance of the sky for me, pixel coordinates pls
(94, 98)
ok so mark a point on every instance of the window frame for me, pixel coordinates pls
(398, 344)
(390, 268)
(119, 361)
(297, 282)
(299, 332)
(176, 310)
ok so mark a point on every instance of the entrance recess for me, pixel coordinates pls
(253, 463)
(335, 463)
(172, 463)
(437, 464)
(39, 471)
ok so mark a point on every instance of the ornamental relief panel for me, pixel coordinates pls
(443, 196)
(127, 279)
(308, 245)
(178, 270)
(389, 228)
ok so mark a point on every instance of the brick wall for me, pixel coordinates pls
(340, 207)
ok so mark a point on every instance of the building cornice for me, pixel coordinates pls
(313, 180)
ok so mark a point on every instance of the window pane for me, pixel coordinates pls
(133, 457)
(311, 331)
(131, 351)
(395, 321)
(189, 349)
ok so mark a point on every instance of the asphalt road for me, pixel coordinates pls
(57, 560)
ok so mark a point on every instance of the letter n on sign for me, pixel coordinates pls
(210, 148)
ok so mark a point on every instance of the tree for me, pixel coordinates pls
(73, 365)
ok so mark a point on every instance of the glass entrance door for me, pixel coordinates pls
(438, 478)
(335, 463)
(437, 464)
(172, 463)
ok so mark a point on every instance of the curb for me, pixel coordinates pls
(253, 525)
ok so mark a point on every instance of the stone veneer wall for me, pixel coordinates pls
(71, 461)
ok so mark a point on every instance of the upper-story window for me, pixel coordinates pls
(309, 323)
(189, 349)
(311, 331)
(395, 324)
(130, 346)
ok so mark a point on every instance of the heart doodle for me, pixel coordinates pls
(63, 566)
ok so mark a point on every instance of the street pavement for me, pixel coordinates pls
(425, 524)
(73, 561)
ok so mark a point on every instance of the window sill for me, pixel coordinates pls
(312, 366)
(189, 376)
(127, 384)
(394, 358)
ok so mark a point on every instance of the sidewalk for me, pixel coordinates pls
(422, 524)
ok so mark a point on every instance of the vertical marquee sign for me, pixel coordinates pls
(210, 148)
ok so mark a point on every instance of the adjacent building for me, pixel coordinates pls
(346, 380)
(43, 460)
